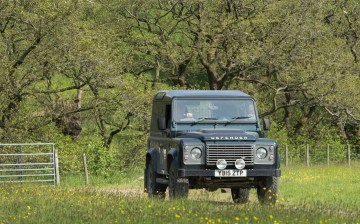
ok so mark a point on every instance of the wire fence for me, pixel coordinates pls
(313, 154)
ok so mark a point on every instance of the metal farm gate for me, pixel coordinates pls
(29, 162)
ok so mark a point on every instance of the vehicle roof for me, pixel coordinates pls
(169, 94)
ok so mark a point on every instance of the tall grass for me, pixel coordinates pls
(335, 186)
(319, 194)
(122, 179)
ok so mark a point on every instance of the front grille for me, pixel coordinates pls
(230, 153)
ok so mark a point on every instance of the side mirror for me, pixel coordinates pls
(266, 124)
(161, 123)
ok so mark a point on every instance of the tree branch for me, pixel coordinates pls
(62, 90)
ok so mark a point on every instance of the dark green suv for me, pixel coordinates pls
(209, 139)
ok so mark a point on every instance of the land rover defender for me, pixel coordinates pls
(208, 139)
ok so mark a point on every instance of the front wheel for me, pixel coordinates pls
(240, 195)
(267, 190)
(178, 187)
(154, 190)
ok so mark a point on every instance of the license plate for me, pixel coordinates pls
(230, 173)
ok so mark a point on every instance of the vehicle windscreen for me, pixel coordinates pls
(210, 110)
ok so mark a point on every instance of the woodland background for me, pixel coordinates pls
(82, 73)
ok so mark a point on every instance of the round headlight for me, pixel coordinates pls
(239, 164)
(261, 153)
(221, 164)
(195, 153)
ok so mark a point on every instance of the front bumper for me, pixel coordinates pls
(211, 173)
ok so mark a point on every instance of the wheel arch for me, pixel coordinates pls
(278, 160)
(152, 155)
(172, 156)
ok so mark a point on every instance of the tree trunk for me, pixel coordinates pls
(304, 119)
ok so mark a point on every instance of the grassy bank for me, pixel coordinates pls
(307, 195)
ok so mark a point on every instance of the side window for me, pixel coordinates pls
(168, 115)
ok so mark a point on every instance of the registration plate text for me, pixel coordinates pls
(230, 173)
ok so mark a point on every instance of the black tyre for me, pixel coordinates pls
(240, 195)
(154, 190)
(178, 187)
(267, 190)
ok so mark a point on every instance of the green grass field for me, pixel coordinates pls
(318, 194)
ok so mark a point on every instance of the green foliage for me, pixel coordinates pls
(70, 155)
(82, 73)
(130, 150)
(101, 160)
(280, 133)
(338, 149)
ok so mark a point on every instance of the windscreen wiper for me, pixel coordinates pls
(204, 119)
(235, 119)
